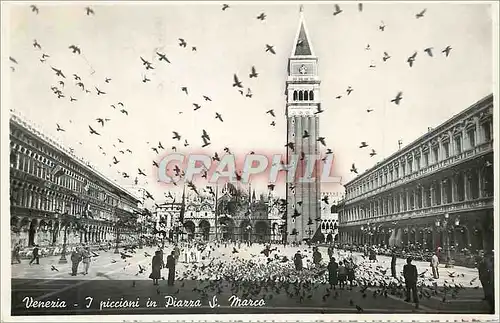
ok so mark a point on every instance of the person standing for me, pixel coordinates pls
(435, 266)
(156, 266)
(86, 260)
(350, 268)
(177, 253)
(76, 257)
(317, 257)
(342, 275)
(36, 255)
(15, 253)
(393, 265)
(333, 272)
(297, 260)
(171, 269)
(410, 274)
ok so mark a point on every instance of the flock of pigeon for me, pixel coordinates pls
(178, 139)
(271, 275)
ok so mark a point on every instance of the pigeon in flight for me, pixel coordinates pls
(71, 99)
(115, 161)
(224, 7)
(176, 135)
(93, 132)
(160, 146)
(373, 153)
(145, 79)
(89, 11)
(205, 135)
(58, 72)
(305, 135)
(420, 14)
(363, 144)
(37, 45)
(34, 9)
(196, 106)
(382, 27)
(354, 169)
(206, 98)
(322, 141)
(59, 127)
(411, 59)
(162, 57)
(398, 98)
(107, 80)
(318, 110)
(124, 111)
(254, 73)
(145, 62)
(237, 82)
(349, 90)
(337, 10)
(386, 57)
(99, 92)
(360, 9)
(206, 142)
(249, 93)
(369, 110)
(76, 49)
(13, 60)
(218, 116)
(270, 48)
(262, 16)
(271, 112)
(184, 89)
(429, 51)
(182, 42)
(141, 172)
(447, 50)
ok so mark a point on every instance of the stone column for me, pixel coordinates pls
(453, 189)
(432, 191)
(467, 194)
(443, 200)
(424, 197)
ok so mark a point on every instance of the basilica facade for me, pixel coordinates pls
(230, 216)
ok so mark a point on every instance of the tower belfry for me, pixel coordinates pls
(302, 101)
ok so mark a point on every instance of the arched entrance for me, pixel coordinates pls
(246, 230)
(226, 227)
(32, 233)
(205, 230)
(262, 231)
(190, 229)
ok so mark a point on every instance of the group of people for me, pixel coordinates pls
(80, 254)
(158, 263)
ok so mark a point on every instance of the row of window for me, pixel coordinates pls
(436, 154)
(50, 203)
(303, 95)
(36, 167)
(41, 164)
(461, 188)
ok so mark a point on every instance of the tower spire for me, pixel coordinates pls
(302, 45)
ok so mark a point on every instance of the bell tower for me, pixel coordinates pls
(302, 101)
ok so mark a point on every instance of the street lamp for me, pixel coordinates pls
(66, 221)
(443, 225)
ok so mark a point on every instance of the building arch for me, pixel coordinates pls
(262, 230)
(205, 230)
(295, 97)
(301, 95)
(190, 229)
(311, 95)
(306, 96)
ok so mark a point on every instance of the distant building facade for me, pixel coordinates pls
(47, 182)
(239, 218)
(330, 215)
(437, 192)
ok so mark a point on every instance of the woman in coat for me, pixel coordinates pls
(156, 266)
(332, 273)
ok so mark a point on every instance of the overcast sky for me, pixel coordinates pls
(232, 41)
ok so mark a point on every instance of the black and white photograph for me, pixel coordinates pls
(258, 159)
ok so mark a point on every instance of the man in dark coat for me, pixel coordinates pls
(393, 264)
(297, 260)
(171, 268)
(410, 274)
(76, 257)
(36, 255)
(487, 276)
(333, 272)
